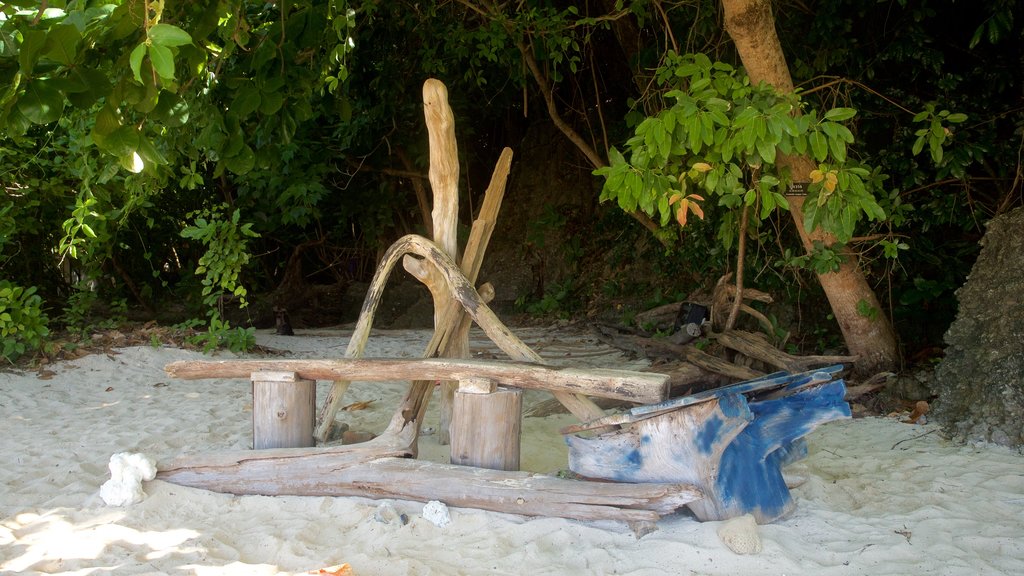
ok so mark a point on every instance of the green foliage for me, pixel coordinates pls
(935, 133)
(720, 137)
(23, 324)
(119, 119)
(560, 298)
(820, 260)
(220, 334)
(226, 256)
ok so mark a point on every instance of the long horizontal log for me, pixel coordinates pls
(640, 387)
(327, 472)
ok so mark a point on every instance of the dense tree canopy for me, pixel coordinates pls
(163, 151)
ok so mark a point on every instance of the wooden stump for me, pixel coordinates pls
(283, 410)
(486, 427)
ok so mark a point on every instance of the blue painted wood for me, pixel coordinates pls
(678, 445)
(750, 474)
(732, 443)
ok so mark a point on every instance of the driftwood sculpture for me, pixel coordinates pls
(719, 452)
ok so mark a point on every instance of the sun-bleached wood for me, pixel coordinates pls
(362, 470)
(410, 414)
(472, 260)
(639, 387)
(283, 409)
(486, 428)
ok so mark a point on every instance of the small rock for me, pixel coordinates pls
(740, 535)
(437, 514)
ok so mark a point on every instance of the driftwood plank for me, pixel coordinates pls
(641, 387)
(325, 472)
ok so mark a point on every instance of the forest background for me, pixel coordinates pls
(199, 163)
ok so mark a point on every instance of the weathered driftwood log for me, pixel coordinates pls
(444, 182)
(724, 298)
(664, 349)
(640, 387)
(683, 379)
(731, 444)
(348, 472)
(756, 346)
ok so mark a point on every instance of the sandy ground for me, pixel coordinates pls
(879, 497)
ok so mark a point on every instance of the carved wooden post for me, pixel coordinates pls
(283, 409)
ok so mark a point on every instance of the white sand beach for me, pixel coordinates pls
(879, 497)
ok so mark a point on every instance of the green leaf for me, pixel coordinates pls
(246, 102)
(957, 118)
(171, 109)
(271, 102)
(243, 162)
(918, 146)
(32, 44)
(62, 44)
(694, 137)
(105, 125)
(169, 35)
(135, 61)
(92, 85)
(41, 103)
(781, 201)
(838, 148)
(149, 152)
(123, 142)
(819, 146)
(615, 157)
(163, 61)
(840, 114)
(766, 150)
(935, 147)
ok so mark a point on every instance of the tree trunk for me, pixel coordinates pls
(751, 25)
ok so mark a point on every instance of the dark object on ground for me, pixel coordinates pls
(282, 324)
(689, 322)
(980, 383)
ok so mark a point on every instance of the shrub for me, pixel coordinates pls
(23, 325)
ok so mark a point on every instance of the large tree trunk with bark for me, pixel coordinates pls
(751, 25)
